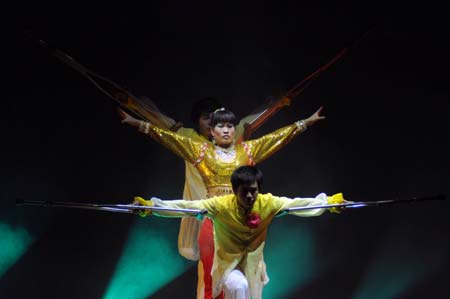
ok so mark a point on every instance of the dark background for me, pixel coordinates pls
(385, 136)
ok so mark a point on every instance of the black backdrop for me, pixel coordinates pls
(385, 135)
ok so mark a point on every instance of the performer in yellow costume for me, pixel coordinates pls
(241, 221)
(215, 162)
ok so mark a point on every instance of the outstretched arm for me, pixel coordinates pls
(203, 204)
(184, 147)
(320, 200)
(315, 117)
(262, 148)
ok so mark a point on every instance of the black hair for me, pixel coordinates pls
(223, 116)
(246, 175)
(205, 105)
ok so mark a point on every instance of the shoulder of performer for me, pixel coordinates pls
(221, 202)
(265, 196)
(268, 200)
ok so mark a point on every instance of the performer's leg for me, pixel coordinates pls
(206, 246)
(236, 286)
(200, 282)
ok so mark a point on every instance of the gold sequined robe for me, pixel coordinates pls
(214, 171)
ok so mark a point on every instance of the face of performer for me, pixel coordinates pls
(246, 195)
(204, 125)
(223, 134)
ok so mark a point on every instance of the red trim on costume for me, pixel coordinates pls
(250, 162)
(202, 154)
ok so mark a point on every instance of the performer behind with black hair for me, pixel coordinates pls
(241, 221)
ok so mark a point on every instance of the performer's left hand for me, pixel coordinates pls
(315, 117)
(138, 201)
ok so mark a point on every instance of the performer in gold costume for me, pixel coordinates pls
(216, 161)
(241, 221)
(194, 188)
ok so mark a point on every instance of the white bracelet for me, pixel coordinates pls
(301, 125)
(141, 126)
(147, 127)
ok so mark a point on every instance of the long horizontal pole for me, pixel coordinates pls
(132, 209)
(361, 204)
(120, 208)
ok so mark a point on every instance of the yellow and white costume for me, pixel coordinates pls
(236, 244)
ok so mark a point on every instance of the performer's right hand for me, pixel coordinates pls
(127, 119)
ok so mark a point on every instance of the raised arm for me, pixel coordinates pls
(262, 148)
(182, 146)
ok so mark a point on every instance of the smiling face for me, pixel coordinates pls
(246, 195)
(223, 134)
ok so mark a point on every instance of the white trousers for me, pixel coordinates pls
(236, 286)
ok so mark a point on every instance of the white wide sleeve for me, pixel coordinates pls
(319, 200)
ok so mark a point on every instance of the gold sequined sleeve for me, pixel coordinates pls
(265, 146)
(185, 147)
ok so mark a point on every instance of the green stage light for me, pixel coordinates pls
(150, 260)
(404, 258)
(14, 243)
(290, 257)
